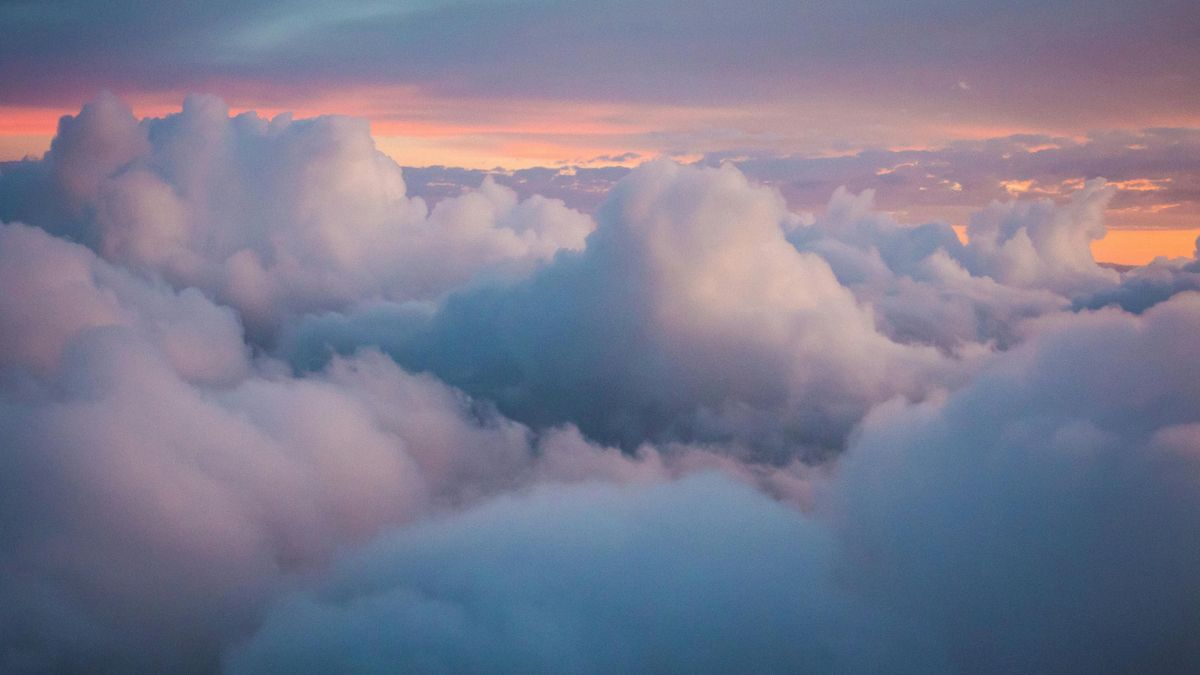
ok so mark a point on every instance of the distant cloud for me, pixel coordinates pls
(1155, 172)
(613, 159)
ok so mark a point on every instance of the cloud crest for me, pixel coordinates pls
(274, 217)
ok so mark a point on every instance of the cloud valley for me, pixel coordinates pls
(260, 409)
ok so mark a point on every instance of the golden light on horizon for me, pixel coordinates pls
(1138, 247)
(1134, 247)
(415, 129)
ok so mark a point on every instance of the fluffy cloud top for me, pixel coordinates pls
(689, 315)
(1040, 245)
(919, 455)
(927, 287)
(273, 217)
(703, 310)
(56, 289)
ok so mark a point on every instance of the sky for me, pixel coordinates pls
(592, 337)
(519, 84)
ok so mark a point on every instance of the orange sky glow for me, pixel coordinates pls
(419, 130)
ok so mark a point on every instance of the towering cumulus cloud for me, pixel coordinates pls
(689, 315)
(273, 217)
(261, 411)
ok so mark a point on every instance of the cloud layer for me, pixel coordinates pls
(1038, 519)
(262, 410)
(1155, 174)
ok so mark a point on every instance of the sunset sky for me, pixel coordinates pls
(517, 84)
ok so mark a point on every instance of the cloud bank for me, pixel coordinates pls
(1154, 172)
(262, 410)
(272, 217)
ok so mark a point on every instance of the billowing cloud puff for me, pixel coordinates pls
(699, 576)
(146, 518)
(689, 315)
(159, 484)
(919, 279)
(274, 217)
(55, 289)
(1043, 518)
(1041, 245)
